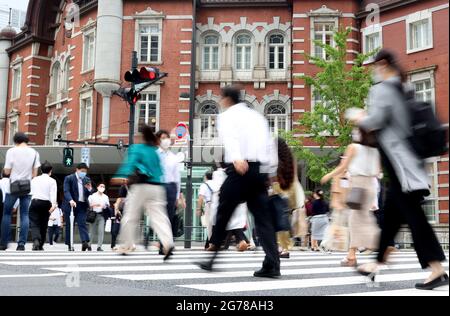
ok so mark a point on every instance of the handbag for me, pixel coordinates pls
(356, 197)
(91, 216)
(108, 225)
(279, 208)
(22, 187)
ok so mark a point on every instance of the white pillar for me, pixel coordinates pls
(105, 117)
(108, 55)
(4, 72)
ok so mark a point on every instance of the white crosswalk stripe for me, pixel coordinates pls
(306, 271)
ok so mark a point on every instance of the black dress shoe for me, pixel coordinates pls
(20, 248)
(161, 252)
(438, 282)
(205, 265)
(86, 246)
(169, 254)
(266, 273)
(36, 245)
(3, 247)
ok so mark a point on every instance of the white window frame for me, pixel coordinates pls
(212, 128)
(277, 46)
(91, 32)
(16, 82)
(55, 78)
(244, 73)
(154, 89)
(204, 45)
(415, 18)
(434, 190)
(313, 104)
(369, 31)
(82, 135)
(137, 38)
(13, 129)
(314, 20)
(49, 139)
(276, 116)
(422, 76)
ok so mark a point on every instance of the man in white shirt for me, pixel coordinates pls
(43, 203)
(21, 164)
(172, 176)
(99, 202)
(251, 155)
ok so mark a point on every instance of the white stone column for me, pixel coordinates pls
(4, 72)
(108, 55)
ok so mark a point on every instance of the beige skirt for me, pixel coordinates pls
(364, 231)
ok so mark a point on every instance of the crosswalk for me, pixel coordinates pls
(304, 273)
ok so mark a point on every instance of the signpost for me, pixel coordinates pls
(86, 155)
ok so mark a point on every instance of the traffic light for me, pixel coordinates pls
(68, 157)
(146, 74)
(128, 94)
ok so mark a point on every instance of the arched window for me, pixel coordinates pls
(54, 82)
(66, 76)
(276, 52)
(63, 130)
(51, 134)
(243, 52)
(208, 116)
(211, 52)
(277, 117)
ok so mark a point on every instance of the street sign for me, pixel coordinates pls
(86, 155)
(181, 130)
(68, 157)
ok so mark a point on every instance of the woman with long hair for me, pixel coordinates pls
(288, 185)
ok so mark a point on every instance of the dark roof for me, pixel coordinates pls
(384, 5)
(224, 3)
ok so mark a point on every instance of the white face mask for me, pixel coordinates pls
(101, 190)
(165, 143)
(376, 77)
(356, 136)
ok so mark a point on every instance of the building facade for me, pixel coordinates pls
(61, 70)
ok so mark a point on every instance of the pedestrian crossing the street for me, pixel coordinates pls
(304, 273)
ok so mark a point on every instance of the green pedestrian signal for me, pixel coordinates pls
(68, 157)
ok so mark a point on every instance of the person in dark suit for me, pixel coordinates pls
(77, 188)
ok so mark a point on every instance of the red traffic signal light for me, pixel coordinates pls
(146, 74)
(149, 73)
(128, 94)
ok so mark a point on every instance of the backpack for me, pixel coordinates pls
(429, 135)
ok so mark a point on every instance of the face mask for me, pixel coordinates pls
(376, 77)
(101, 190)
(356, 136)
(82, 174)
(165, 143)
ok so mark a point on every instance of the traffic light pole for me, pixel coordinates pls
(189, 193)
(134, 62)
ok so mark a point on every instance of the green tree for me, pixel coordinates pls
(336, 87)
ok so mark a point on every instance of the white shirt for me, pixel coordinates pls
(206, 191)
(96, 198)
(44, 188)
(80, 189)
(4, 186)
(239, 217)
(245, 135)
(20, 161)
(55, 217)
(169, 163)
(365, 162)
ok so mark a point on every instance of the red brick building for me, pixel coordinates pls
(60, 77)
